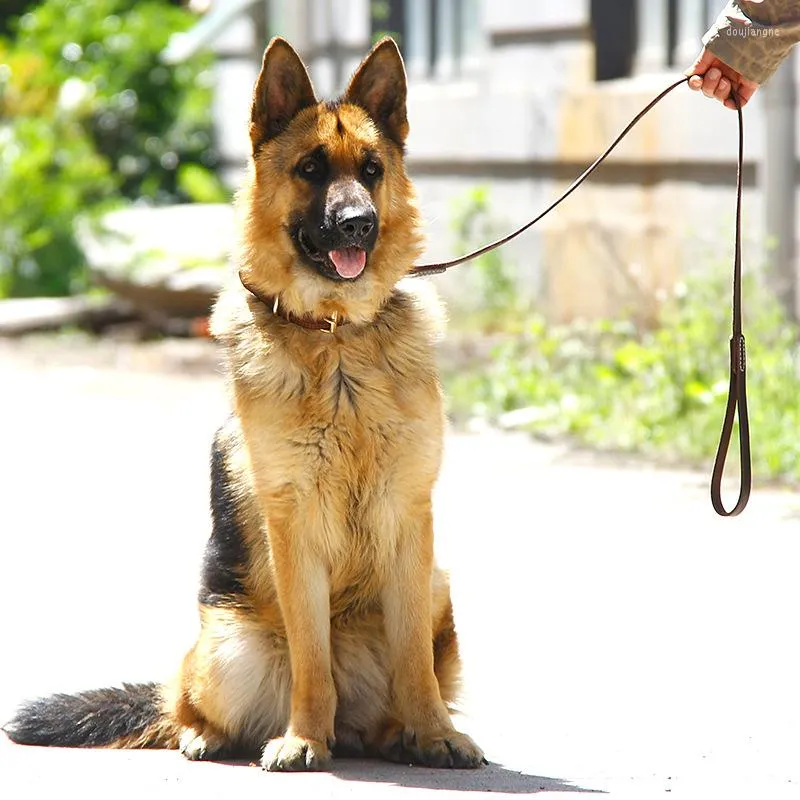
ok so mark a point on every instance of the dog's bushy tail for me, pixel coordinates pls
(128, 717)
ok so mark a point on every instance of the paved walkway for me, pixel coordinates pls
(618, 637)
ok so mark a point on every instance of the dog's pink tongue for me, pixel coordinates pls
(349, 261)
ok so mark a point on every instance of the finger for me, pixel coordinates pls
(696, 82)
(746, 90)
(734, 99)
(731, 100)
(711, 81)
(723, 90)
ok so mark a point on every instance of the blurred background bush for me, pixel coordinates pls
(90, 119)
(660, 390)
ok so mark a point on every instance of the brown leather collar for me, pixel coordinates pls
(307, 321)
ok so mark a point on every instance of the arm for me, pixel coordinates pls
(744, 47)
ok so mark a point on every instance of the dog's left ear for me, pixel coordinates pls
(379, 87)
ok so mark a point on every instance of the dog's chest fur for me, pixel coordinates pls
(343, 434)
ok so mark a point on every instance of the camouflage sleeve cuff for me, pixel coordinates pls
(752, 48)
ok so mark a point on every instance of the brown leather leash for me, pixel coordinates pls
(737, 390)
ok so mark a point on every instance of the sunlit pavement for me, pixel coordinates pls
(617, 636)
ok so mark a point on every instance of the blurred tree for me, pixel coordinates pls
(102, 56)
(87, 110)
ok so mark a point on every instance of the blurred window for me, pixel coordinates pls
(438, 38)
(614, 30)
(647, 36)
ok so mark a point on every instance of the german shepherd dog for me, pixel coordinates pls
(325, 626)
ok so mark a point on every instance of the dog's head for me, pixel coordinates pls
(331, 223)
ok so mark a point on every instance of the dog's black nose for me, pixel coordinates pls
(356, 226)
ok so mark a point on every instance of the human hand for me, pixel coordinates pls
(715, 78)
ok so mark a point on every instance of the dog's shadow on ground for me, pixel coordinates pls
(490, 778)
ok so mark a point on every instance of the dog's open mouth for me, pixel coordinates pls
(346, 262)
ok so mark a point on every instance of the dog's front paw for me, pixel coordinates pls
(451, 750)
(202, 745)
(295, 754)
(446, 750)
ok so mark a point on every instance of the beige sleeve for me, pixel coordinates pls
(754, 36)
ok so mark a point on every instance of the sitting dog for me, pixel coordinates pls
(326, 627)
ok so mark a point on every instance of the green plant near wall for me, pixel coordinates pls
(89, 116)
(661, 391)
(474, 225)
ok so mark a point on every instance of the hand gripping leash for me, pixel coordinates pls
(737, 391)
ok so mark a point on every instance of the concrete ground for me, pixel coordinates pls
(617, 636)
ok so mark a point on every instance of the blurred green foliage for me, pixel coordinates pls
(474, 226)
(9, 11)
(384, 21)
(90, 118)
(660, 391)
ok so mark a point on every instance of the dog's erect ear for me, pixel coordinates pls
(282, 90)
(379, 87)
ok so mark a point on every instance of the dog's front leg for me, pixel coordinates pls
(303, 588)
(424, 732)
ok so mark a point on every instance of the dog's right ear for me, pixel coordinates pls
(282, 90)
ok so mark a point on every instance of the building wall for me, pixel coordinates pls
(524, 115)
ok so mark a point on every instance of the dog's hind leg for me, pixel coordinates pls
(234, 689)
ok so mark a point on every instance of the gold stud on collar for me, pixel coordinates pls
(333, 321)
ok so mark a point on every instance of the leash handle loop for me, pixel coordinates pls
(737, 401)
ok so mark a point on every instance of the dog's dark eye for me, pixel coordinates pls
(371, 169)
(312, 169)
